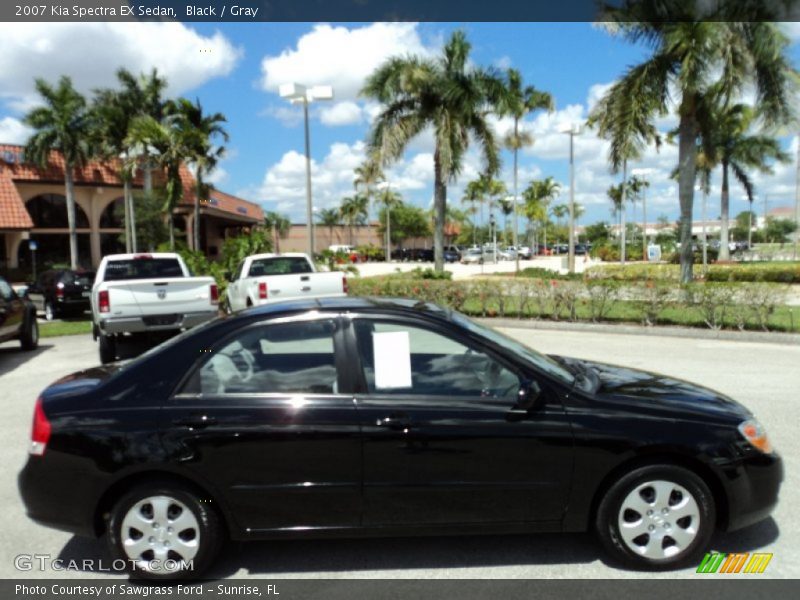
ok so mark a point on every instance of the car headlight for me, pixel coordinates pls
(754, 433)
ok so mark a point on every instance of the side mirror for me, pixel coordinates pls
(527, 397)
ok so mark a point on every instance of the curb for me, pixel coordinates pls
(791, 339)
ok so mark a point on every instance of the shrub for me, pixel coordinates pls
(712, 301)
(428, 273)
(653, 298)
(762, 300)
(601, 297)
(756, 272)
(564, 297)
(542, 273)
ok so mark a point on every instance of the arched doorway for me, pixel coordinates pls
(49, 211)
(113, 216)
(51, 233)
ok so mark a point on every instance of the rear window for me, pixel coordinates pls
(280, 265)
(143, 268)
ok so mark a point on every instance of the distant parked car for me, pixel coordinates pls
(507, 253)
(524, 252)
(451, 254)
(61, 292)
(473, 256)
(17, 318)
(581, 249)
(544, 250)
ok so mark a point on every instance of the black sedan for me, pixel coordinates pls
(352, 417)
(61, 293)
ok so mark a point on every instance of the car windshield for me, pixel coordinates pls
(541, 361)
(142, 268)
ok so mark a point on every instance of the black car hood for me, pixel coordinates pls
(647, 389)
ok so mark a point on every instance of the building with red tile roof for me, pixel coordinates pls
(33, 207)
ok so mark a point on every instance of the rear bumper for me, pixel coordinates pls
(115, 325)
(752, 489)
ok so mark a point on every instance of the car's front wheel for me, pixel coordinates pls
(107, 347)
(656, 517)
(165, 531)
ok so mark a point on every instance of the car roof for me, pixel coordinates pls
(350, 303)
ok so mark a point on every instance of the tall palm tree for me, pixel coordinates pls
(330, 218)
(61, 124)
(730, 145)
(538, 196)
(279, 225)
(388, 198)
(353, 211)
(518, 101)
(475, 194)
(367, 176)
(448, 95)
(201, 131)
(694, 47)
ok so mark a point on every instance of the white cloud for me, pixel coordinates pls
(341, 113)
(341, 57)
(13, 131)
(91, 53)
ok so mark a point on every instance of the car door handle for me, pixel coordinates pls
(396, 422)
(195, 421)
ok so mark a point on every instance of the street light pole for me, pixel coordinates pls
(797, 203)
(297, 93)
(572, 132)
(309, 204)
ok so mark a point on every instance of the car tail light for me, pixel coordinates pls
(40, 433)
(59, 290)
(754, 433)
(345, 289)
(214, 294)
(103, 302)
(262, 290)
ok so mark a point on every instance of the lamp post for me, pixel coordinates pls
(572, 132)
(300, 94)
(384, 186)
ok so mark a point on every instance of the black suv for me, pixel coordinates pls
(17, 318)
(61, 292)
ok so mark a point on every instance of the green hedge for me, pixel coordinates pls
(714, 305)
(773, 272)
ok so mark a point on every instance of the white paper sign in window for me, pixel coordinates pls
(392, 356)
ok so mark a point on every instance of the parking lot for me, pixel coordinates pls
(763, 376)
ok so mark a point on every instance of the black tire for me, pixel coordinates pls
(107, 346)
(207, 530)
(29, 336)
(610, 511)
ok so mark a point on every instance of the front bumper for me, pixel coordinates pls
(114, 325)
(752, 489)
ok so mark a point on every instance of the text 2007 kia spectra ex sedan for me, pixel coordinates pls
(352, 417)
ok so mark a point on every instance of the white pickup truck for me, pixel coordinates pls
(266, 278)
(147, 295)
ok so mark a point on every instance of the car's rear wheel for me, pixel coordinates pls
(656, 517)
(29, 336)
(108, 348)
(164, 531)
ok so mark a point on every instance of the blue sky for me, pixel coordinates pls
(235, 69)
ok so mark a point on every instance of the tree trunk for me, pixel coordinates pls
(687, 156)
(439, 206)
(515, 234)
(623, 232)
(197, 209)
(73, 235)
(126, 200)
(724, 252)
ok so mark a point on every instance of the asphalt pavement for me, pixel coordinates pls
(765, 377)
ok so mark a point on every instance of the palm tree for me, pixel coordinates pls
(559, 212)
(63, 125)
(367, 176)
(389, 199)
(113, 112)
(200, 130)
(279, 225)
(354, 212)
(517, 101)
(615, 194)
(538, 196)
(330, 218)
(475, 193)
(730, 145)
(695, 48)
(446, 94)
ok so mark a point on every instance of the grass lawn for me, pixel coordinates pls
(59, 328)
